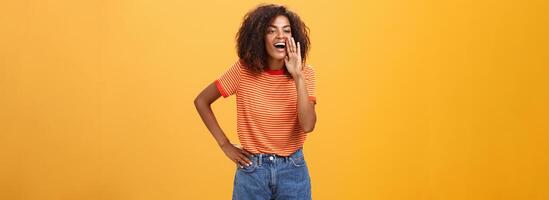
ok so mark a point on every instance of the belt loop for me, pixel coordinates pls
(260, 158)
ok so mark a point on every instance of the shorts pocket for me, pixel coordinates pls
(297, 161)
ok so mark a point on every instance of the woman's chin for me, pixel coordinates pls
(277, 58)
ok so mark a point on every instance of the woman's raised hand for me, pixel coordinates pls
(293, 57)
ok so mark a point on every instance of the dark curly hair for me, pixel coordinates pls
(250, 39)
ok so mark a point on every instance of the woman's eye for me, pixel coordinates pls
(287, 31)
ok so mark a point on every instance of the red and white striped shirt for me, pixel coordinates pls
(266, 104)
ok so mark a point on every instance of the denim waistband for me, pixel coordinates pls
(264, 157)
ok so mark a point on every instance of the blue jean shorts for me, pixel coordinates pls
(273, 177)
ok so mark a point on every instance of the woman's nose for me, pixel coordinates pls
(280, 34)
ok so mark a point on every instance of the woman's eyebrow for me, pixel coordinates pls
(273, 26)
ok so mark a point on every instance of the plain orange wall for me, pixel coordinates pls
(416, 99)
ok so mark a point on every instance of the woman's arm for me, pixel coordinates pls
(305, 108)
(203, 105)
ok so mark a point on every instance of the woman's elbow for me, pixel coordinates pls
(198, 102)
(309, 127)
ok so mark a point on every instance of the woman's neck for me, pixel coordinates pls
(275, 64)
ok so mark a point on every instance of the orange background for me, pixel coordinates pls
(416, 99)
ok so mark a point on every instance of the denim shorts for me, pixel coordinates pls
(273, 177)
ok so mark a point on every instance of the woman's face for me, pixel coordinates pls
(277, 36)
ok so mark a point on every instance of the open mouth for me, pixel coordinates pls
(280, 45)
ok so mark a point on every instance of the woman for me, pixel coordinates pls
(275, 105)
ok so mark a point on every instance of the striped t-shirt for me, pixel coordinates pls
(266, 106)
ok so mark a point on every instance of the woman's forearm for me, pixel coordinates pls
(305, 108)
(205, 111)
(203, 105)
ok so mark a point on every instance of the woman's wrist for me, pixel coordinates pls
(297, 75)
(223, 143)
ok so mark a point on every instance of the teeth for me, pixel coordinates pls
(280, 45)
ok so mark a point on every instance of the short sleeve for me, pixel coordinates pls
(310, 82)
(228, 82)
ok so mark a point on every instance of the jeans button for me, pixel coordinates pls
(271, 158)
